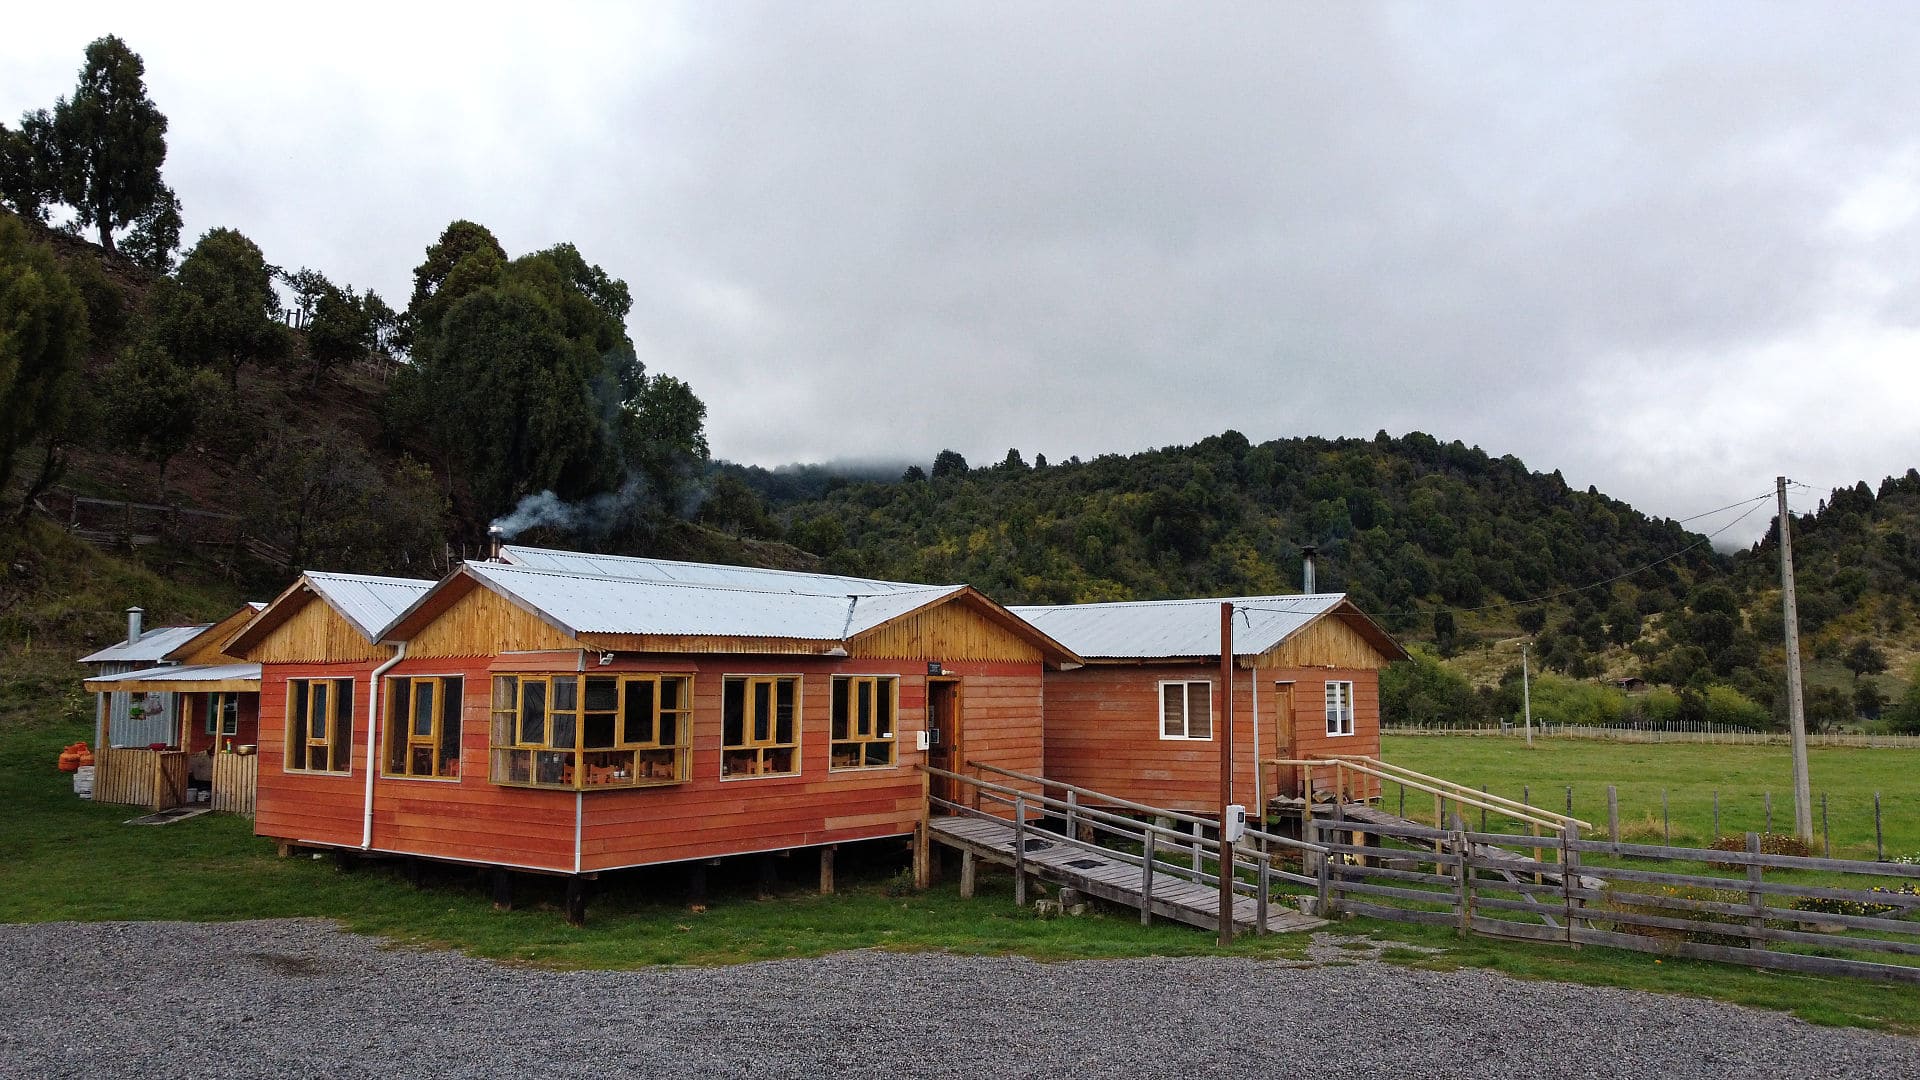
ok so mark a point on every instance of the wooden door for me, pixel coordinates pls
(943, 736)
(1287, 783)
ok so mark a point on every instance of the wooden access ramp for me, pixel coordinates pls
(1146, 865)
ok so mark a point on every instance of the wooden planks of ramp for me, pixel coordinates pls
(1513, 863)
(1102, 873)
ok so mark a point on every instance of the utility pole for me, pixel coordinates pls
(1226, 773)
(1526, 693)
(1796, 703)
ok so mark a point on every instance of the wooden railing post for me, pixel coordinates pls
(1260, 898)
(1756, 899)
(1324, 877)
(1146, 879)
(1073, 806)
(1570, 876)
(1020, 851)
(1462, 881)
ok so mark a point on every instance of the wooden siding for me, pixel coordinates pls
(1103, 730)
(472, 819)
(316, 634)
(1329, 642)
(303, 807)
(950, 631)
(205, 648)
(1309, 729)
(155, 779)
(483, 623)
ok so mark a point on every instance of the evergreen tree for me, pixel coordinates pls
(111, 141)
(220, 310)
(43, 335)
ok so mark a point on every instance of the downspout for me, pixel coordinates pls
(373, 740)
(1259, 800)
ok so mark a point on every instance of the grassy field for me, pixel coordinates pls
(1687, 776)
(65, 859)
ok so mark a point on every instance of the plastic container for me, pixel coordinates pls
(83, 781)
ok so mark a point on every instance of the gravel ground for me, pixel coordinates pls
(299, 998)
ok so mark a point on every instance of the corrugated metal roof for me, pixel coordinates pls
(1157, 629)
(154, 645)
(178, 674)
(370, 603)
(688, 573)
(603, 604)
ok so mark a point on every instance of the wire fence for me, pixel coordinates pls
(1697, 732)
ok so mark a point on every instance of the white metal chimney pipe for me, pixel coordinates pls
(134, 616)
(1306, 570)
(494, 538)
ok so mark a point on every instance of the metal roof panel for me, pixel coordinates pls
(370, 603)
(153, 645)
(1164, 629)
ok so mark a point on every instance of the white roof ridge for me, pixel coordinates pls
(1280, 598)
(335, 575)
(508, 548)
(900, 588)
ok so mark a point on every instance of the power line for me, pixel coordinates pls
(1756, 502)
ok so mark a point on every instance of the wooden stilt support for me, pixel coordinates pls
(826, 869)
(697, 888)
(769, 882)
(502, 889)
(576, 901)
(969, 871)
(413, 871)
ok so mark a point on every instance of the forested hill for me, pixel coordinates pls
(1408, 524)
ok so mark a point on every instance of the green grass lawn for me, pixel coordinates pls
(65, 859)
(1688, 775)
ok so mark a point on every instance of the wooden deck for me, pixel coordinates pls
(1106, 874)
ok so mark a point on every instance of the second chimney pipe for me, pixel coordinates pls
(1306, 570)
(494, 539)
(133, 624)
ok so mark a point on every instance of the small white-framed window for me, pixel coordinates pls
(1339, 707)
(1186, 710)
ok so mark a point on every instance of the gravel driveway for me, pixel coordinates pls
(299, 998)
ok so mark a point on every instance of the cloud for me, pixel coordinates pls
(1668, 250)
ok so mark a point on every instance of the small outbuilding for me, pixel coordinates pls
(1140, 719)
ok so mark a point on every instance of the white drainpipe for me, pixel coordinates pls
(373, 740)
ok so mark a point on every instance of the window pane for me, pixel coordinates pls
(533, 713)
(784, 693)
(639, 712)
(317, 713)
(566, 693)
(879, 753)
(230, 714)
(297, 736)
(597, 730)
(673, 693)
(563, 730)
(883, 706)
(733, 712)
(863, 712)
(1199, 710)
(1173, 709)
(423, 708)
(762, 712)
(603, 693)
(506, 692)
(402, 701)
(450, 704)
(343, 706)
(841, 689)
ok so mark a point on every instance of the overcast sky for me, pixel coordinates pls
(1668, 249)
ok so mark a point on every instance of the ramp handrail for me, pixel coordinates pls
(1144, 808)
(1441, 789)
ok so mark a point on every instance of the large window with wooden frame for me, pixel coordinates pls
(1339, 707)
(423, 726)
(319, 725)
(1186, 710)
(863, 710)
(591, 732)
(760, 725)
(223, 713)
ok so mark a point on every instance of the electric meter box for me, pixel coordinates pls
(1236, 823)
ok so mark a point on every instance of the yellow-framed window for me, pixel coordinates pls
(583, 732)
(864, 708)
(760, 725)
(423, 725)
(319, 725)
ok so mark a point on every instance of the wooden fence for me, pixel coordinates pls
(235, 778)
(156, 779)
(1741, 907)
(1724, 735)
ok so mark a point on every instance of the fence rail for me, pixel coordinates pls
(1796, 921)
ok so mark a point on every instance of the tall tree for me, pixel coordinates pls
(43, 333)
(30, 165)
(220, 310)
(112, 140)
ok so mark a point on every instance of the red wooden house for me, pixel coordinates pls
(573, 713)
(318, 646)
(1139, 720)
